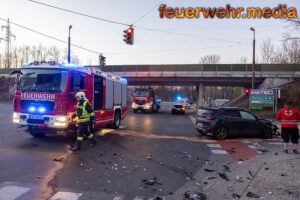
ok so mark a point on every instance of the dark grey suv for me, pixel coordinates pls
(223, 122)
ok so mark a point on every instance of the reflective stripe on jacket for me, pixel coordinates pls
(289, 118)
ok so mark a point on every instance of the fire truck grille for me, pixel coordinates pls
(140, 101)
(35, 121)
(49, 105)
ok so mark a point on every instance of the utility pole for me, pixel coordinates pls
(253, 62)
(8, 41)
(69, 45)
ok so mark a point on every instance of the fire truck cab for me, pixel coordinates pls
(44, 98)
(144, 99)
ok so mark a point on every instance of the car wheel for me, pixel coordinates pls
(135, 110)
(221, 133)
(267, 132)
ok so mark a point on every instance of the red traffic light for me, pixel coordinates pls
(247, 91)
(129, 30)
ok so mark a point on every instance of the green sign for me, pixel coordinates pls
(256, 106)
(269, 98)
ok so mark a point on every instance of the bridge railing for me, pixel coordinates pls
(204, 68)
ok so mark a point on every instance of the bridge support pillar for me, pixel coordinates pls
(200, 99)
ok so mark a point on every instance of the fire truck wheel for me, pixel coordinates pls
(36, 134)
(117, 120)
(135, 110)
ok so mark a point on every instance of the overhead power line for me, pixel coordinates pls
(51, 37)
(147, 13)
(141, 27)
(78, 13)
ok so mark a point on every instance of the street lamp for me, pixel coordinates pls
(253, 62)
(69, 45)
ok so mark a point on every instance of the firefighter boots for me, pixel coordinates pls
(77, 146)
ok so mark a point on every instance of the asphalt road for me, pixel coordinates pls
(150, 156)
(146, 146)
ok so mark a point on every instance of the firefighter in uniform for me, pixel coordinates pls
(289, 118)
(85, 115)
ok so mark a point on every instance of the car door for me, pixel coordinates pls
(251, 126)
(233, 121)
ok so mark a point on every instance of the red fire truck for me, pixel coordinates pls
(44, 97)
(145, 100)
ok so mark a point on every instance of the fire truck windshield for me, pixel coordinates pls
(141, 93)
(42, 80)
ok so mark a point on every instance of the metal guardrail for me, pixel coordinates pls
(196, 68)
(204, 68)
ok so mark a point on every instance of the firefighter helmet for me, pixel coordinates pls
(81, 95)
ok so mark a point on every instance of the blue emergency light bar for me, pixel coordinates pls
(27, 64)
(70, 65)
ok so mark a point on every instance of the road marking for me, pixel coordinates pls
(139, 198)
(214, 145)
(276, 143)
(66, 196)
(118, 198)
(12, 192)
(218, 151)
(238, 151)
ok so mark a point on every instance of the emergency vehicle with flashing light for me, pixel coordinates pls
(45, 91)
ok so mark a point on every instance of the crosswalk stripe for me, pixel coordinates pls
(66, 196)
(214, 145)
(118, 198)
(218, 151)
(12, 192)
(276, 143)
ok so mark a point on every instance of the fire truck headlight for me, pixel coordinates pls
(61, 118)
(59, 124)
(15, 115)
(133, 105)
(31, 109)
(148, 106)
(42, 109)
(16, 118)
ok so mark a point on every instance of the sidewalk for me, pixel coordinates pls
(279, 181)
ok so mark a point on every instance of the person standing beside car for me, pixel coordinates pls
(289, 118)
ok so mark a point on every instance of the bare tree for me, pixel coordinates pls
(243, 60)
(54, 53)
(210, 59)
(267, 52)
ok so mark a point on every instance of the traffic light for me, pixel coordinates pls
(247, 91)
(128, 36)
(102, 60)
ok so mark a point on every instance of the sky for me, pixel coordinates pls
(229, 38)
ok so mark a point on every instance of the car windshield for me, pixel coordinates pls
(178, 106)
(42, 80)
(142, 93)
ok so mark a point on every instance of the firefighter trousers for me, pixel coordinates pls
(84, 129)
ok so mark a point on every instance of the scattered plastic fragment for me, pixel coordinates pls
(58, 159)
(251, 173)
(150, 181)
(252, 195)
(210, 170)
(223, 176)
(236, 196)
(270, 193)
(266, 168)
(226, 168)
(194, 196)
(148, 157)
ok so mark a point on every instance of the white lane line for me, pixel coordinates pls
(254, 148)
(276, 143)
(118, 198)
(214, 145)
(218, 151)
(66, 196)
(12, 192)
